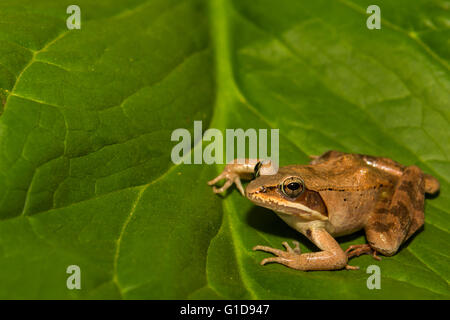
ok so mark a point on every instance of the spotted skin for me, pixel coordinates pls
(391, 224)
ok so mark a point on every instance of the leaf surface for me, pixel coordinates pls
(85, 167)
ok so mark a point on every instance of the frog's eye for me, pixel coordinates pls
(257, 168)
(292, 187)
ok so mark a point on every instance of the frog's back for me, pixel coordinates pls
(351, 186)
(346, 172)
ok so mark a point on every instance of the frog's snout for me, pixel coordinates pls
(256, 192)
(253, 188)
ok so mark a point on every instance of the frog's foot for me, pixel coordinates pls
(349, 267)
(283, 257)
(231, 177)
(359, 249)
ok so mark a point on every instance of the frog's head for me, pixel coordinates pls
(286, 193)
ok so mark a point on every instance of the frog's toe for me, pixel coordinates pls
(238, 183)
(359, 249)
(349, 267)
(286, 258)
(275, 259)
(216, 179)
(227, 184)
(268, 249)
(230, 179)
(296, 249)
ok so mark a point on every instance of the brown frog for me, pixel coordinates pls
(336, 194)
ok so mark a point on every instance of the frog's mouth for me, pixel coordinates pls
(270, 198)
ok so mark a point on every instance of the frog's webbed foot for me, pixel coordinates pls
(284, 257)
(358, 249)
(231, 178)
(235, 171)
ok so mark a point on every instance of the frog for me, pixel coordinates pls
(334, 195)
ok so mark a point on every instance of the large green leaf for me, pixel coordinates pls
(85, 168)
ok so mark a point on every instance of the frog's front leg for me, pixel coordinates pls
(241, 169)
(332, 257)
(233, 173)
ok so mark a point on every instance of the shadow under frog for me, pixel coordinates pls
(264, 220)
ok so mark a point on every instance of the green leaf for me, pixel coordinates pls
(85, 140)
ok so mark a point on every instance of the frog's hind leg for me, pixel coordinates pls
(431, 184)
(394, 168)
(358, 249)
(392, 223)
